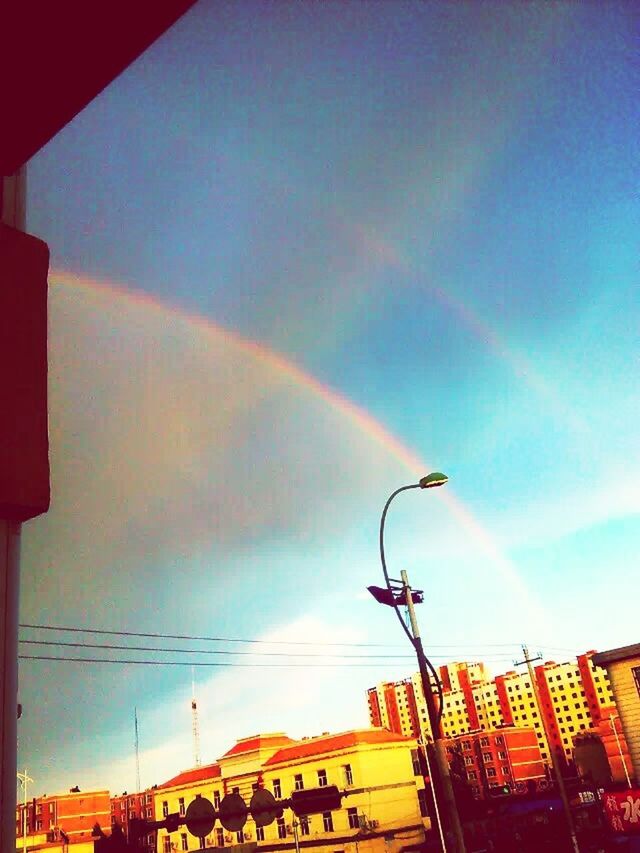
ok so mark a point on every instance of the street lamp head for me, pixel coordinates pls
(433, 480)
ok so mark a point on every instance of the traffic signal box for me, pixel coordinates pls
(232, 813)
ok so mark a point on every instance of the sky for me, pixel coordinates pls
(301, 255)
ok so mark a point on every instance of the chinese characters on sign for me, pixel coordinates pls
(623, 811)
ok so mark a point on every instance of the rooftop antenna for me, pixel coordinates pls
(194, 720)
(135, 718)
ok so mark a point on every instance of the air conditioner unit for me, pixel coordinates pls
(228, 838)
(289, 829)
(247, 835)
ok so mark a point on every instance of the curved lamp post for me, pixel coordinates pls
(404, 595)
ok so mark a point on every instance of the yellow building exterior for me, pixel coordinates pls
(623, 668)
(382, 812)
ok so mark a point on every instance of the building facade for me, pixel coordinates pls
(498, 758)
(382, 813)
(63, 818)
(623, 668)
(575, 697)
(127, 807)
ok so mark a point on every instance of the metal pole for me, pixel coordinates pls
(442, 765)
(12, 211)
(295, 835)
(612, 720)
(24, 778)
(554, 758)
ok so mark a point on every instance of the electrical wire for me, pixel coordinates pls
(164, 649)
(225, 664)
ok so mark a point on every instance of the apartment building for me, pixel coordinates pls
(62, 818)
(574, 697)
(495, 758)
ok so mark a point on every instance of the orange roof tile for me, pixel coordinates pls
(251, 744)
(196, 774)
(333, 743)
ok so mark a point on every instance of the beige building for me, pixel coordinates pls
(623, 668)
(383, 812)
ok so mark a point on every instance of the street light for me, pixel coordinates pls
(402, 594)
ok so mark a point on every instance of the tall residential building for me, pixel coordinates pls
(574, 697)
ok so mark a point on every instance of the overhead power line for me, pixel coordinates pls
(208, 639)
(219, 664)
(207, 651)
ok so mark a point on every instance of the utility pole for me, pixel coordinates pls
(24, 778)
(442, 765)
(554, 758)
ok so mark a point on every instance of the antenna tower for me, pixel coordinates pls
(135, 718)
(194, 721)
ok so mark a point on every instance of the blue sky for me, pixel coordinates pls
(428, 209)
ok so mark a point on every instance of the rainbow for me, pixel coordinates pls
(364, 421)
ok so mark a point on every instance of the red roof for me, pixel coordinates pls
(196, 774)
(334, 743)
(251, 744)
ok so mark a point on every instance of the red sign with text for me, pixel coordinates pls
(623, 811)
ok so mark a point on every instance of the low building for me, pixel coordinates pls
(384, 809)
(507, 756)
(62, 819)
(127, 807)
(623, 668)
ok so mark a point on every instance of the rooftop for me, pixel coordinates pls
(195, 774)
(614, 655)
(257, 742)
(333, 743)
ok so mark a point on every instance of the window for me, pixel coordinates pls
(327, 821)
(147, 799)
(132, 814)
(468, 759)
(259, 833)
(348, 774)
(149, 813)
(505, 771)
(184, 841)
(165, 808)
(277, 790)
(635, 671)
(181, 808)
(322, 778)
(282, 829)
(203, 843)
(422, 801)
(216, 800)
(298, 784)
(38, 825)
(166, 844)
(352, 816)
(491, 772)
(500, 740)
(487, 757)
(39, 808)
(219, 837)
(304, 825)
(471, 774)
(415, 760)
(484, 741)
(240, 836)
(466, 745)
